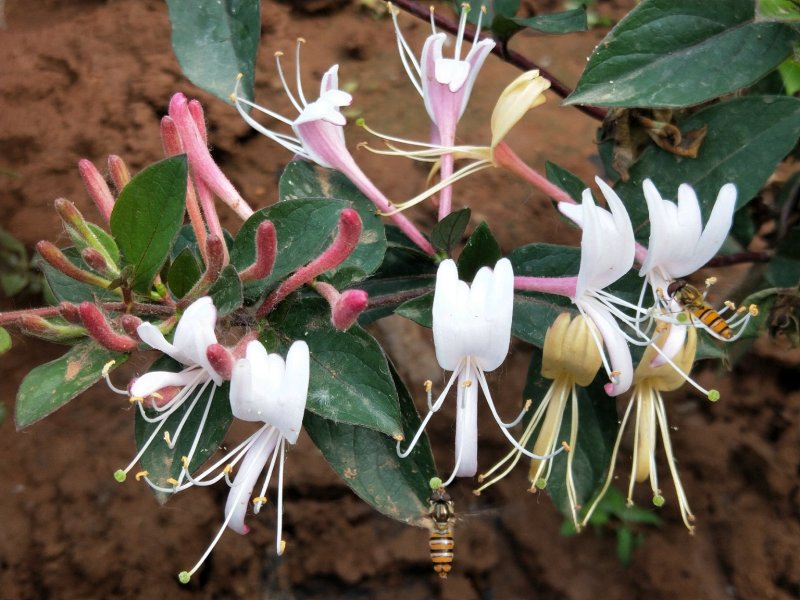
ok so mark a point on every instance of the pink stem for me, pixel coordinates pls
(560, 286)
(505, 157)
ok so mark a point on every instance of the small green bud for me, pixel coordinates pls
(435, 483)
(120, 475)
(713, 395)
(541, 483)
(658, 500)
(184, 577)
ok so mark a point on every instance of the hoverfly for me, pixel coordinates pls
(442, 515)
(693, 301)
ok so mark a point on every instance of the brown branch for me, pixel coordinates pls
(55, 311)
(738, 258)
(501, 50)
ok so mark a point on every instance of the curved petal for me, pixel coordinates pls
(431, 53)
(245, 403)
(451, 72)
(672, 345)
(477, 54)
(500, 308)
(622, 239)
(619, 355)
(152, 336)
(293, 392)
(330, 80)
(658, 245)
(195, 330)
(716, 230)
(155, 380)
(448, 302)
(467, 425)
(591, 244)
(252, 465)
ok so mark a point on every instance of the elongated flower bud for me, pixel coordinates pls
(70, 312)
(95, 260)
(345, 307)
(570, 351)
(36, 326)
(343, 245)
(97, 187)
(266, 243)
(170, 139)
(120, 174)
(220, 359)
(100, 329)
(56, 259)
(130, 323)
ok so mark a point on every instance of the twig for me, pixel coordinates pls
(502, 51)
(739, 257)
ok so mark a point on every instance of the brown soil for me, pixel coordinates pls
(87, 78)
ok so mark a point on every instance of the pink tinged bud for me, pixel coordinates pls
(130, 323)
(100, 329)
(266, 243)
(94, 259)
(203, 166)
(37, 326)
(216, 257)
(170, 140)
(120, 174)
(56, 259)
(97, 187)
(347, 310)
(196, 110)
(343, 245)
(221, 360)
(70, 312)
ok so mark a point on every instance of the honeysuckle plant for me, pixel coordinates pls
(301, 278)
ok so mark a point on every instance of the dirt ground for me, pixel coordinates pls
(86, 78)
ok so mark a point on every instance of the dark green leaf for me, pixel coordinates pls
(494, 8)
(481, 250)
(301, 180)
(50, 386)
(790, 74)
(147, 216)
(185, 239)
(227, 291)
(672, 53)
(747, 138)
(567, 181)
(448, 232)
(778, 10)
(418, 310)
(214, 40)
(350, 380)
(66, 289)
(567, 21)
(625, 545)
(106, 241)
(163, 463)
(367, 461)
(784, 268)
(183, 273)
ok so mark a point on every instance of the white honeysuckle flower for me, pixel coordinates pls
(194, 334)
(266, 389)
(445, 84)
(471, 333)
(679, 245)
(607, 253)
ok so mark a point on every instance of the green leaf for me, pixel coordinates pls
(567, 21)
(784, 268)
(448, 232)
(184, 272)
(147, 216)
(406, 272)
(67, 289)
(672, 53)
(214, 40)
(350, 379)
(566, 180)
(301, 180)
(367, 461)
(50, 386)
(778, 10)
(106, 241)
(747, 138)
(790, 74)
(5, 340)
(419, 310)
(227, 291)
(163, 463)
(597, 431)
(494, 8)
(481, 250)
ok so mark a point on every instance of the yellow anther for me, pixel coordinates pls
(239, 76)
(135, 399)
(167, 438)
(260, 500)
(141, 475)
(466, 6)
(711, 281)
(172, 481)
(467, 383)
(301, 40)
(566, 447)
(157, 396)
(753, 310)
(185, 462)
(730, 305)
(428, 385)
(483, 9)
(528, 404)
(278, 54)
(615, 374)
(399, 437)
(107, 367)
(660, 293)
(741, 309)
(233, 98)
(228, 469)
(283, 547)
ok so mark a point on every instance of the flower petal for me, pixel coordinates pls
(287, 414)
(155, 380)
(152, 336)
(619, 355)
(467, 425)
(252, 465)
(448, 315)
(716, 230)
(498, 316)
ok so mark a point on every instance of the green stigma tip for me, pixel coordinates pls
(184, 577)
(360, 122)
(120, 475)
(713, 395)
(541, 483)
(682, 318)
(658, 500)
(435, 483)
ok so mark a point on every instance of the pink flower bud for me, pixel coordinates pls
(347, 310)
(343, 245)
(170, 140)
(70, 312)
(216, 257)
(37, 326)
(120, 174)
(94, 259)
(266, 250)
(129, 324)
(56, 259)
(100, 329)
(196, 110)
(97, 188)
(221, 360)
